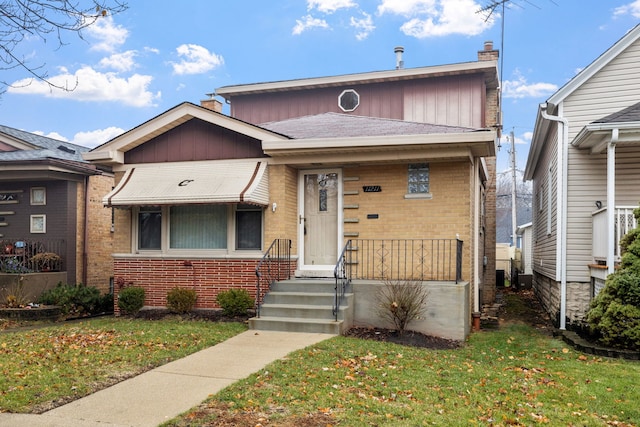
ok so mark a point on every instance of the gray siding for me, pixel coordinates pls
(613, 88)
(544, 248)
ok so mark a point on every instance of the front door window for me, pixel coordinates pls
(320, 219)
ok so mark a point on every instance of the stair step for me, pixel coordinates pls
(300, 311)
(326, 326)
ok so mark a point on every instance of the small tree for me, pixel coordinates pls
(401, 302)
(614, 314)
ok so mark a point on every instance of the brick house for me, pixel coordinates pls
(51, 201)
(372, 176)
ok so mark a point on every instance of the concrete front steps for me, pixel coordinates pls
(303, 305)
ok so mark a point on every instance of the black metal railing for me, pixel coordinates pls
(342, 274)
(31, 255)
(406, 259)
(275, 265)
(396, 259)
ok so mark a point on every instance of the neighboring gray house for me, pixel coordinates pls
(584, 161)
(50, 201)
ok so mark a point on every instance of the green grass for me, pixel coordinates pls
(65, 362)
(513, 376)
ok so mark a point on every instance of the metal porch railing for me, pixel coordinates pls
(275, 265)
(397, 259)
(31, 255)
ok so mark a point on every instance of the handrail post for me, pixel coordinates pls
(272, 262)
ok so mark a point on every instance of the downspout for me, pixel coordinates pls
(563, 163)
(611, 199)
(476, 237)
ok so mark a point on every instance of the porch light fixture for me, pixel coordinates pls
(598, 204)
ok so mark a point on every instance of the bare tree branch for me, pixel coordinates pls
(47, 20)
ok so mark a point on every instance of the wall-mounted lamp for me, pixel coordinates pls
(274, 206)
(598, 204)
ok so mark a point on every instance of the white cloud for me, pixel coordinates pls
(97, 137)
(195, 60)
(329, 6)
(87, 84)
(120, 61)
(53, 135)
(632, 9)
(433, 18)
(108, 36)
(308, 22)
(519, 87)
(408, 8)
(364, 26)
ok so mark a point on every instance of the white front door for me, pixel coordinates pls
(319, 221)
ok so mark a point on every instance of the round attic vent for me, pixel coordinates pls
(348, 100)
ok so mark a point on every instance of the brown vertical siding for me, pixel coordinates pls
(446, 100)
(195, 140)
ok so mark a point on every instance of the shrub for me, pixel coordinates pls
(180, 300)
(77, 299)
(235, 302)
(614, 314)
(401, 302)
(131, 299)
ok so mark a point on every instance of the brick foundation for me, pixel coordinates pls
(206, 276)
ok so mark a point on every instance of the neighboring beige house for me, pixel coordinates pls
(357, 178)
(584, 161)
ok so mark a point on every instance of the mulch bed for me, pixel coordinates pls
(409, 338)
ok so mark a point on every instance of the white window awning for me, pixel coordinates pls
(227, 181)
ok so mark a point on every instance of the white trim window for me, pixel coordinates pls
(214, 228)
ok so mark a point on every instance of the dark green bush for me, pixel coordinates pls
(131, 299)
(181, 300)
(235, 302)
(614, 314)
(77, 300)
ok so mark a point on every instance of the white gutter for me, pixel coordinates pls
(611, 198)
(563, 164)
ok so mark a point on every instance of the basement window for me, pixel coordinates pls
(348, 100)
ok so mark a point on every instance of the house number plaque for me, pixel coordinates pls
(371, 188)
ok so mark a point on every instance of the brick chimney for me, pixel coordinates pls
(489, 53)
(212, 104)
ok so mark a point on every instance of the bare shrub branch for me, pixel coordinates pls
(401, 302)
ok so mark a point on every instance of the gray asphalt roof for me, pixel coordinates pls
(336, 125)
(629, 114)
(48, 148)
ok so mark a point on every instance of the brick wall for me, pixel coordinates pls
(283, 190)
(206, 276)
(444, 216)
(100, 238)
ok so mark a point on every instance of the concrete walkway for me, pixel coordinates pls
(169, 390)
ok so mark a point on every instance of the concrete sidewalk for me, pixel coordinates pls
(165, 392)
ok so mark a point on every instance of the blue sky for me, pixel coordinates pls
(158, 53)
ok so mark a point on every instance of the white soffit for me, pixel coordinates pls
(192, 183)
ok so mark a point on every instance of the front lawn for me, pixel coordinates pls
(515, 376)
(45, 367)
